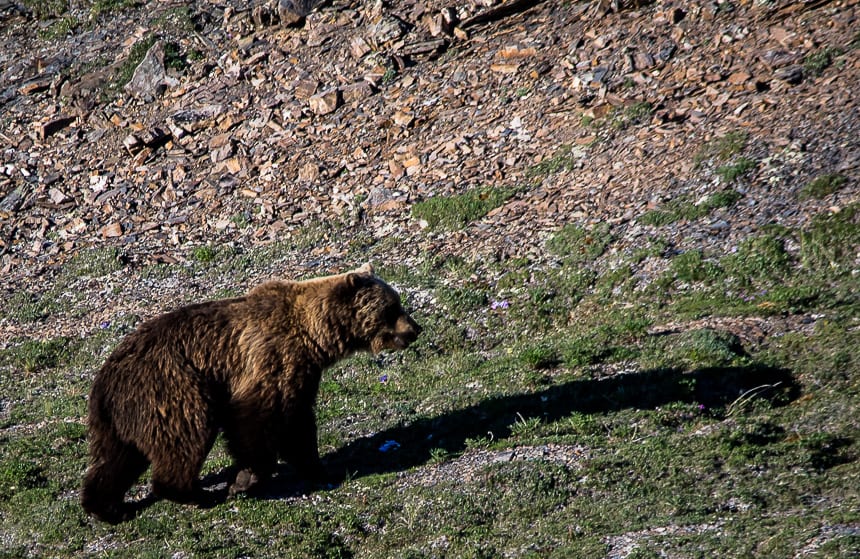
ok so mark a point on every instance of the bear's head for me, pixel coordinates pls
(379, 321)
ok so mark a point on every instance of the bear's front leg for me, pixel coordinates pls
(249, 441)
(299, 446)
(245, 481)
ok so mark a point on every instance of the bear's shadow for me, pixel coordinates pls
(492, 418)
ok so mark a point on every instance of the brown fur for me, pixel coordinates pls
(250, 366)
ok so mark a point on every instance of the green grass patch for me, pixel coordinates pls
(733, 171)
(761, 261)
(761, 277)
(204, 254)
(683, 208)
(94, 262)
(60, 28)
(723, 147)
(565, 158)
(631, 115)
(580, 245)
(455, 212)
(46, 9)
(550, 407)
(691, 266)
(822, 186)
(105, 7)
(35, 355)
(705, 348)
(830, 242)
(816, 62)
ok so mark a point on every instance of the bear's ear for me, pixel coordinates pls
(360, 276)
(366, 269)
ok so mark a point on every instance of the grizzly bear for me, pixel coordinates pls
(248, 366)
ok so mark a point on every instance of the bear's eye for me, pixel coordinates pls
(391, 314)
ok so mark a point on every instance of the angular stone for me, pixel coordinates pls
(504, 68)
(132, 143)
(221, 153)
(791, 74)
(309, 172)
(306, 88)
(150, 78)
(738, 78)
(358, 47)
(111, 230)
(383, 200)
(510, 52)
(293, 12)
(326, 102)
(642, 61)
(403, 118)
(357, 91)
(35, 86)
(50, 127)
(386, 30)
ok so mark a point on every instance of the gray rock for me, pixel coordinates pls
(791, 74)
(150, 78)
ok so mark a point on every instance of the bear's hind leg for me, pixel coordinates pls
(177, 477)
(115, 468)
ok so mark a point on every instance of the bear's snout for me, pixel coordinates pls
(404, 332)
(408, 330)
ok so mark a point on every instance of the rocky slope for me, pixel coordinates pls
(163, 127)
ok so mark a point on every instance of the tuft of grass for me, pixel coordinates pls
(389, 76)
(36, 355)
(455, 212)
(25, 306)
(816, 62)
(18, 475)
(60, 28)
(822, 185)
(733, 171)
(47, 9)
(698, 349)
(204, 254)
(565, 158)
(759, 261)
(540, 356)
(691, 267)
(460, 300)
(683, 208)
(722, 148)
(95, 263)
(637, 113)
(104, 7)
(579, 245)
(830, 242)
(173, 58)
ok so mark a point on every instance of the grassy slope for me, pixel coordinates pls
(688, 441)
